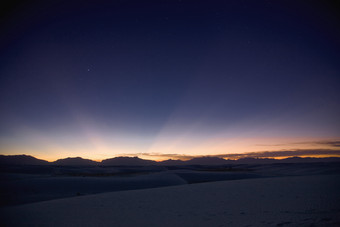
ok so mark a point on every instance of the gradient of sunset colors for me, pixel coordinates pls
(169, 79)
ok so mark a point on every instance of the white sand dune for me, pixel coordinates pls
(284, 201)
(19, 189)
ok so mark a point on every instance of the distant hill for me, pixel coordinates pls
(135, 161)
(207, 161)
(171, 162)
(131, 161)
(21, 160)
(299, 159)
(285, 160)
(255, 161)
(77, 161)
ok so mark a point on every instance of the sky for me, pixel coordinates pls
(169, 79)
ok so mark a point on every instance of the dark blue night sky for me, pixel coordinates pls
(104, 78)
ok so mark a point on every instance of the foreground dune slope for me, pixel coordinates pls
(284, 201)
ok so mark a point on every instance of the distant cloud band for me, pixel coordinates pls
(261, 154)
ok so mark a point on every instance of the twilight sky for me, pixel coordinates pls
(167, 79)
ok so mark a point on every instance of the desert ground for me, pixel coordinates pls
(243, 195)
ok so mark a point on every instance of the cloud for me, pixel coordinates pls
(328, 143)
(161, 155)
(334, 143)
(260, 154)
(283, 153)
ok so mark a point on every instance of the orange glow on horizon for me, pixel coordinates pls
(160, 159)
(162, 149)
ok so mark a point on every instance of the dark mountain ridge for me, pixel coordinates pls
(135, 161)
(77, 161)
(21, 160)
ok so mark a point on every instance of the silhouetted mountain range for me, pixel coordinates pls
(77, 161)
(135, 161)
(21, 160)
(131, 161)
(207, 161)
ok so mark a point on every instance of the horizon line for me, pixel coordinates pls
(276, 155)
